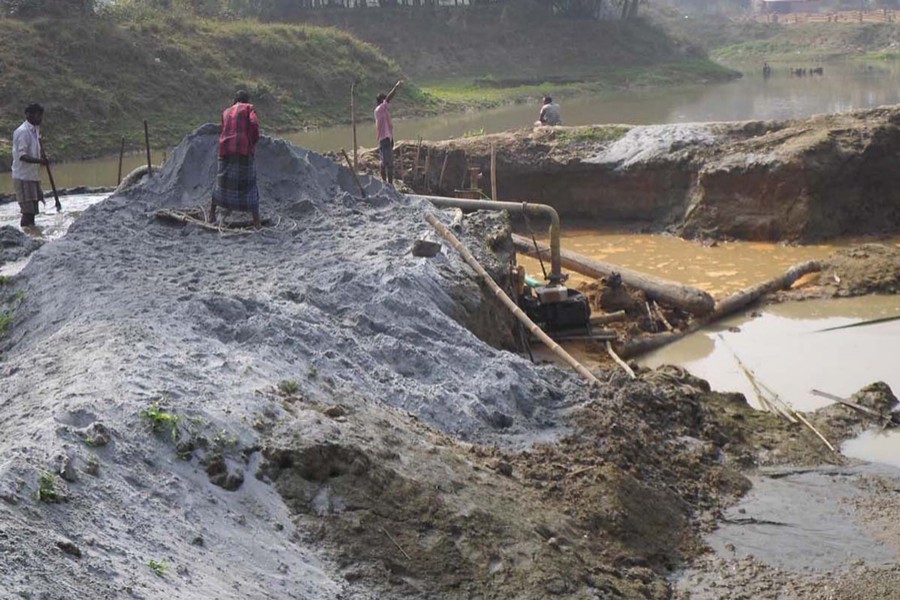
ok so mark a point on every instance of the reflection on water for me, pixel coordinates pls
(875, 446)
(844, 86)
(786, 350)
(720, 270)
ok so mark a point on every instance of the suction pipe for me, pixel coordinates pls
(526, 208)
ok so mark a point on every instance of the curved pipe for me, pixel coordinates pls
(513, 207)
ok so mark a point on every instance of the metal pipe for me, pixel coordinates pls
(528, 208)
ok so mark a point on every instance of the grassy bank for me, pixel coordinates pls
(100, 78)
(818, 41)
(482, 92)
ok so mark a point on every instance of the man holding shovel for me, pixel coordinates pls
(26, 165)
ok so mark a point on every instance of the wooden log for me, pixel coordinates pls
(741, 299)
(688, 298)
(726, 307)
(613, 317)
(507, 301)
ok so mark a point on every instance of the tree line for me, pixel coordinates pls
(275, 9)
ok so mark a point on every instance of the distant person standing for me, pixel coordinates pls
(384, 131)
(26, 164)
(550, 112)
(236, 178)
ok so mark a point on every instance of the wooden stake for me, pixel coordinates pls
(494, 195)
(506, 300)
(427, 168)
(121, 158)
(443, 170)
(353, 172)
(147, 144)
(353, 125)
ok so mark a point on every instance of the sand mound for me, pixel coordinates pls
(128, 322)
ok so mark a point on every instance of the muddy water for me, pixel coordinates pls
(787, 350)
(720, 270)
(844, 86)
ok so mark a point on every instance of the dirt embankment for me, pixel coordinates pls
(516, 39)
(304, 412)
(804, 180)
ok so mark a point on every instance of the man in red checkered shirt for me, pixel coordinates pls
(236, 178)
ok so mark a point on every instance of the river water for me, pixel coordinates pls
(843, 86)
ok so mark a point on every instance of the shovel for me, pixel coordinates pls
(52, 184)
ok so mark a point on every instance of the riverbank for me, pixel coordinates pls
(101, 77)
(801, 180)
(343, 413)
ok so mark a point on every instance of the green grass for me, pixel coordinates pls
(288, 387)
(468, 93)
(159, 568)
(161, 420)
(47, 491)
(99, 78)
(817, 41)
(6, 319)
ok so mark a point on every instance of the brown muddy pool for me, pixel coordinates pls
(784, 346)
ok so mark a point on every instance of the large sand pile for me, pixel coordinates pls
(126, 311)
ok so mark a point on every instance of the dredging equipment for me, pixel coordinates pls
(554, 305)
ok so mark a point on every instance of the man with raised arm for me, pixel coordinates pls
(384, 130)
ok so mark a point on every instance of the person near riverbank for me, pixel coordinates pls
(384, 131)
(26, 164)
(236, 178)
(550, 114)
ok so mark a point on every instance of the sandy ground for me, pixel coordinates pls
(305, 412)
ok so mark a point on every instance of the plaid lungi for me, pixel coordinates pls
(236, 184)
(28, 195)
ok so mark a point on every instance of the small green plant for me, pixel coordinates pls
(5, 321)
(288, 387)
(47, 491)
(158, 567)
(161, 420)
(313, 372)
(222, 441)
(474, 133)
(5, 279)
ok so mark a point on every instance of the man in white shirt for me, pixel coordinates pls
(26, 165)
(550, 112)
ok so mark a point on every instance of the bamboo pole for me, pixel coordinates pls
(121, 158)
(494, 195)
(147, 144)
(353, 125)
(619, 361)
(512, 306)
(352, 172)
